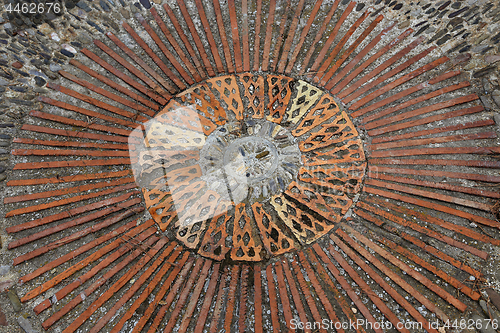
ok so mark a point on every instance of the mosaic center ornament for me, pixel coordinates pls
(245, 167)
(256, 160)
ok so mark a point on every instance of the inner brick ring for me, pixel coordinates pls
(245, 168)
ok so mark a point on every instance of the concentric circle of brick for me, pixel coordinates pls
(254, 167)
(249, 166)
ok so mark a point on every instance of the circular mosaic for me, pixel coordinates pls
(246, 167)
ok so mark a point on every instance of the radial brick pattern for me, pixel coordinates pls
(381, 204)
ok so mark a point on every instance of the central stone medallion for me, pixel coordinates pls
(246, 167)
(251, 159)
(259, 159)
